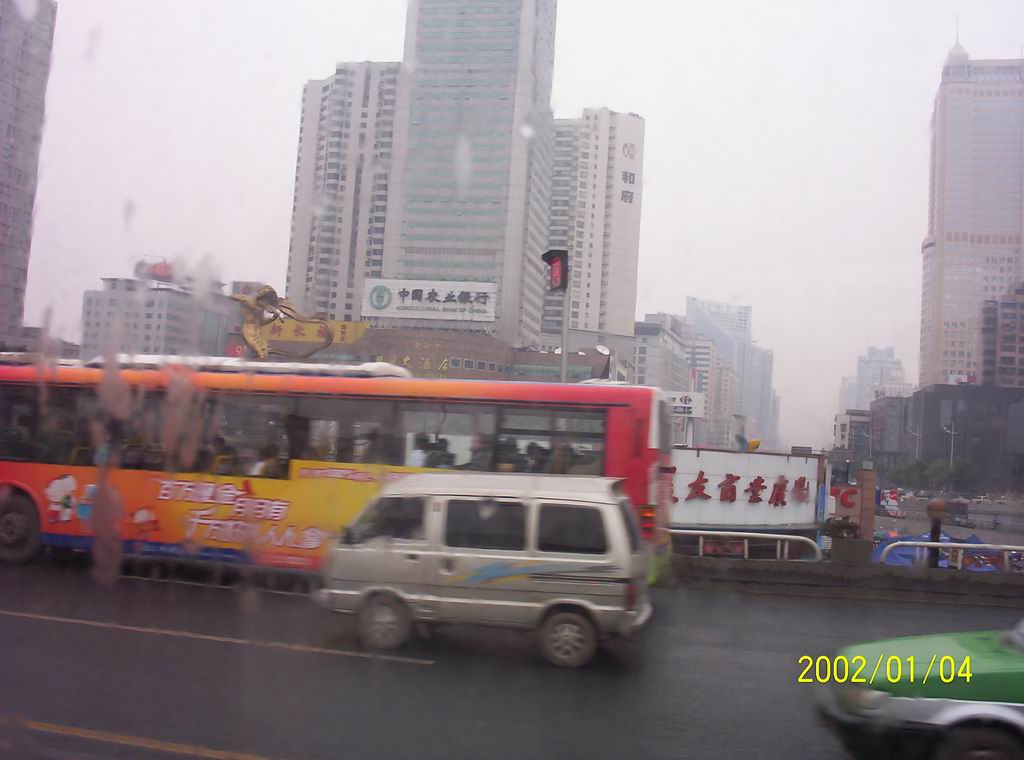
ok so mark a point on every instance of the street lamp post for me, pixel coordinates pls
(868, 436)
(952, 433)
(917, 454)
(936, 510)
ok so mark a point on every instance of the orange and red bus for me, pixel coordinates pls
(233, 461)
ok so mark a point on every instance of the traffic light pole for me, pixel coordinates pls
(558, 279)
(564, 372)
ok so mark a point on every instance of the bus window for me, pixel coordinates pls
(459, 436)
(18, 422)
(330, 429)
(147, 445)
(52, 428)
(251, 435)
(559, 441)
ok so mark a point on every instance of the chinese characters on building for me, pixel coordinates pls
(781, 492)
(432, 296)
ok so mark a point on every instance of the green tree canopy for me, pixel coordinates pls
(964, 475)
(938, 473)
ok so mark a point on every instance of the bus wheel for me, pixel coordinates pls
(384, 622)
(19, 529)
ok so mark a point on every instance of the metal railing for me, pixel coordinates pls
(782, 542)
(920, 546)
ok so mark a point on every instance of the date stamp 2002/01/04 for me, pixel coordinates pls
(891, 669)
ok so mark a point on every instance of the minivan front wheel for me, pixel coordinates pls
(384, 622)
(568, 639)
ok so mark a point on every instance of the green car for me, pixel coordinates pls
(956, 696)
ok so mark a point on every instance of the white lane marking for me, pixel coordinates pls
(212, 637)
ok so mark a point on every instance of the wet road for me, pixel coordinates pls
(147, 669)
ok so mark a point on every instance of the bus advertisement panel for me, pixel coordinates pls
(278, 523)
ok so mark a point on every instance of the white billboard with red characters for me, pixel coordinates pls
(747, 490)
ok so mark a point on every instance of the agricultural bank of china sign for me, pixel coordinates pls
(430, 299)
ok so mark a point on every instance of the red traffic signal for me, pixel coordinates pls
(558, 261)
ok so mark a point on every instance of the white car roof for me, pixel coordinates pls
(524, 485)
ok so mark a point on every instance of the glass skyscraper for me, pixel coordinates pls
(471, 177)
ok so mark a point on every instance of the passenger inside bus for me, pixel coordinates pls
(372, 449)
(297, 430)
(219, 459)
(81, 449)
(17, 438)
(439, 455)
(417, 456)
(268, 465)
(537, 457)
(481, 455)
(509, 457)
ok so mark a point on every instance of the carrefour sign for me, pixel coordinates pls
(430, 299)
(686, 404)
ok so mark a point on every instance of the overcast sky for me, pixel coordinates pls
(785, 159)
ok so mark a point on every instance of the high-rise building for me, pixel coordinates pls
(772, 434)
(850, 432)
(878, 367)
(662, 355)
(1002, 339)
(471, 181)
(848, 398)
(596, 196)
(722, 407)
(26, 41)
(756, 392)
(972, 250)
(726, 324)
(879, 374)
(341, 188)
(699, 350)
(155, 316)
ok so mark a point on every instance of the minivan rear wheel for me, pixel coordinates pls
(568, 639)
(384, 623)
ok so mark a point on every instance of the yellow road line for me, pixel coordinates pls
(189, 750)
(211, 637)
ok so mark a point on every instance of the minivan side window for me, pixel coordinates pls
(571, 530)
(485, 524)
(391, 516)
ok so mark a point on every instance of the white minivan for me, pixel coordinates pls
(558, 554)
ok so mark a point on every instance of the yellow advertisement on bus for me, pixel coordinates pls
(273, 522)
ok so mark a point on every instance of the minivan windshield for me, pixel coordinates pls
(398, 517)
